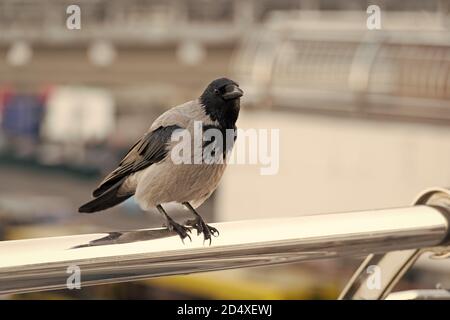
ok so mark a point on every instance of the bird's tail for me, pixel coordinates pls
(106, 200)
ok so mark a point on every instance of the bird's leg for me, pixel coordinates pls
(199, 224)
(172, 225)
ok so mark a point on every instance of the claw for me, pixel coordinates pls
(202, 227)
(182, 239)
(214, 231)
(195, 224)
(182, 231)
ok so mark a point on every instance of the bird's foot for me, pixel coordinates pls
(201, 227)
(182, 231)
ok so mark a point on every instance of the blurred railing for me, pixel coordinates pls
(47, 263)
(145, 22)
(136, 22)
(149, 22)
(333, 63)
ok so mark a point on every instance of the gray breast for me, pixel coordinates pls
(167, 182)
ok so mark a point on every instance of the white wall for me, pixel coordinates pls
(330, 164)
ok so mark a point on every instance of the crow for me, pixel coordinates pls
(149, 173)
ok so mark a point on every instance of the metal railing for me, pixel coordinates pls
(341, 67)
(42, 264)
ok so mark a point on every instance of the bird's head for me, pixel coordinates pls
(221, 100)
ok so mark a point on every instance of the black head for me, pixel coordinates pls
(221, 100)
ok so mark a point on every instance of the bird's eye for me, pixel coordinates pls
(216, 91)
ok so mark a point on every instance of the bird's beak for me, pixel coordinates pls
(232, 91)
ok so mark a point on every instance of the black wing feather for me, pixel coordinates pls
(151, 148)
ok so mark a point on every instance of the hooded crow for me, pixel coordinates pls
(149, 172)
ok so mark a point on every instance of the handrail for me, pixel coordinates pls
(42, 264)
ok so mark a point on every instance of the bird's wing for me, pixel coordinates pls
(151, 148)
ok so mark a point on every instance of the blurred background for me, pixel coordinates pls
(364, 119)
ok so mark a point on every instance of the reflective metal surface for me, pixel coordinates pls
(436, 294)
(393, 265)
(41, 264)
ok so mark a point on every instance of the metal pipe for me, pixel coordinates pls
(42, 264)
(393, 265)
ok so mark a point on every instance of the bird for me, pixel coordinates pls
(149, 173)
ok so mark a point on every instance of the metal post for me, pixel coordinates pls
(393, 265)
